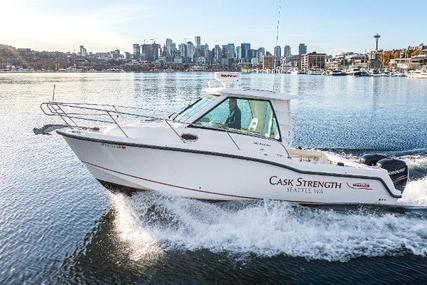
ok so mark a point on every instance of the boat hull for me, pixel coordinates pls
(217, 176)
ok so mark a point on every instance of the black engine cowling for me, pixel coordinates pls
(371, 159)
(398, 171)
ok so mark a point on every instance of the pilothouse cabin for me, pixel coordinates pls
(258, 113)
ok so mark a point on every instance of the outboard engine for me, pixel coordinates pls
(371, 159)
(398, 171)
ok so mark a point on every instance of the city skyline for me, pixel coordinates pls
(330, 28)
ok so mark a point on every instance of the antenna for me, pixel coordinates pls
(278, 21)
(277, 37)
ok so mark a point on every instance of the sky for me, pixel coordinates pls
(329, 26)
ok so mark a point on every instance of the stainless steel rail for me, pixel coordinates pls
(72, 113)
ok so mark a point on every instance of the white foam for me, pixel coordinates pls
(415, 193)
(158, 224)
(415, 160)
(130, 230)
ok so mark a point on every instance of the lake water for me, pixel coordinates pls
(58, 225)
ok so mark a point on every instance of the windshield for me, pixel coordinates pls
(194, 108)
(247, 116)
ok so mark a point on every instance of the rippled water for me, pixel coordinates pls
(58, 225)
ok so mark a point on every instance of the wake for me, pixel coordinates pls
(150, 225)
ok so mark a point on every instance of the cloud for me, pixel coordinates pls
(97, 29)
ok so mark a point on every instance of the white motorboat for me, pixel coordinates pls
(296, 71)
(356, 71)
(231, 144)
(418, 74)
(315, 72)
(337, 72)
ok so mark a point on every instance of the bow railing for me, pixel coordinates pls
(72, 114)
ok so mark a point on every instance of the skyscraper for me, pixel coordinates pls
(217, 54)
(191, 50)
(83, 51)
(136, 51)
(170, 49)
(287, 51)
(198, 41)
(169, 42)
(150, 52)
(183, 51)
(302, 49)
(277, 54)
(261, 52)
(238, 52)
(229, 51)
(245, 48)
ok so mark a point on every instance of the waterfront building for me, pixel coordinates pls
(268, 61)
(287, 51)
(313, 60)
(255, 61)
(293, 61)
(245, 50)
(401, 64)
(136, 51)
(200, 60)
(418, 61)
(277, 54)
(302, 49)
(422, 48)
(178, 60)
(374, 61)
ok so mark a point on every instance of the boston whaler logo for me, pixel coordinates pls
(360, 186)
(300, 185)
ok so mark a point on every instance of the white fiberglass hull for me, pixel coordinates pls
(217, 176)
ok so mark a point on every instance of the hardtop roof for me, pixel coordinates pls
(250, 93)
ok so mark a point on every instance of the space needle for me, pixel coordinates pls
(376, 37)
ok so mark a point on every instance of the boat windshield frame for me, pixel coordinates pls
(237, 131)
(187, 120)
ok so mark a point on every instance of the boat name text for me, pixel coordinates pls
(301, 182)
(118, 146)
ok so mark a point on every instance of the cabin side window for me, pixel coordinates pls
(247, 116)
